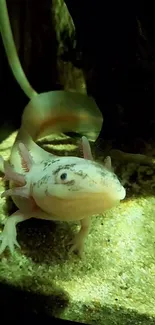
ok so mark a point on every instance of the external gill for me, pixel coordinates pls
(11, 175)
(86, 149)
(18, 180)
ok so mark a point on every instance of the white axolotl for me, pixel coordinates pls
(43, 185)
(50, 187)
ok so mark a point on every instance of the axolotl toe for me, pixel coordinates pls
(60, 188)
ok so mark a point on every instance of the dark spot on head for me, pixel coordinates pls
(48, 163)
(55, 161)
(81, 173)
(46, 192)
(103, 173)
(63, 167)
(43, 180)
(74, 188)
(72, 182)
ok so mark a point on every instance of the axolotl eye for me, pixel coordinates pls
(63, 176)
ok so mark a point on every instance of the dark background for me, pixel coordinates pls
(115, 49)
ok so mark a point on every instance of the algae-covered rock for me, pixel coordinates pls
(113, 283)
(69, 76)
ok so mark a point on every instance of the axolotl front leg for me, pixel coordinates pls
(9, 235)
(77, 243)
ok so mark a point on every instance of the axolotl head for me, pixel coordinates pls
(72, 188)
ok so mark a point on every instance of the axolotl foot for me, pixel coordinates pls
(9, 233)
(8, 239)
(77, 243)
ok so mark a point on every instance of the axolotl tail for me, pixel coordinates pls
(62, 111)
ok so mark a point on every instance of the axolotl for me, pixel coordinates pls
(46, 186)
(43, 185)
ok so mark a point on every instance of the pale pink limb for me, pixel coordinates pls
(86, 149)
(9, 234)
(8, 237)
(79, 239)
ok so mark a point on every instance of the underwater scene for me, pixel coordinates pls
(77, 162)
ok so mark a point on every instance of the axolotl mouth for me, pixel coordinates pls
(83, 205)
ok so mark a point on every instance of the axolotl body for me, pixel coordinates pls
(51, 187)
